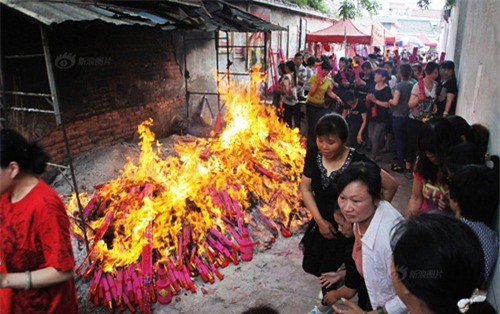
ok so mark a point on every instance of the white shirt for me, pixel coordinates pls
(377, 257)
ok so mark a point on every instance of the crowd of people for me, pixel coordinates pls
(436, 255)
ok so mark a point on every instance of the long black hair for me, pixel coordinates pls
(15, 148)
(436, 137)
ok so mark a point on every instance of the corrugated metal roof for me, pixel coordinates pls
(166, 14)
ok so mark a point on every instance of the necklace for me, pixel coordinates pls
(359, 232)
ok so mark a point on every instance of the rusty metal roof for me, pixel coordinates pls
(166, 14)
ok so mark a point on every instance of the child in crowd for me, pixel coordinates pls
(430, 187)
(355, 114)
(353, 281)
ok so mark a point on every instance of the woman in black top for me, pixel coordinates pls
(324, 247)
(379, 105)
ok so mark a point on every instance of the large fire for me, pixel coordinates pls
(165, 221)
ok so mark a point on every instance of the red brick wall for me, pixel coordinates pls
(120, 77)
(106, 129)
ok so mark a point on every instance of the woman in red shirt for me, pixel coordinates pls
(36, 250)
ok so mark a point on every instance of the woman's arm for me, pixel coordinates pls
(334, 295)
(40, 278)
(394, 101)
(449, 101)
(414, 99)
(359, 137)
(344, 113)
(389, 186)
(381, 103)
(325, 227)
(416, 198)
(333, 95)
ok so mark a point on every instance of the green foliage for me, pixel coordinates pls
(348, 9)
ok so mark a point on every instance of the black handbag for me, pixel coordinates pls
(307, 240)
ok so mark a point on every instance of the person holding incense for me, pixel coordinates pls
(36, 248)
(344, 78)
(378, 118)
(320, 84)
(421, 105)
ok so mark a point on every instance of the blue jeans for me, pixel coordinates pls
(399, 129)
(313, 115)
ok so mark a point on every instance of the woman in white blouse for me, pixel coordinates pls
(359, 199)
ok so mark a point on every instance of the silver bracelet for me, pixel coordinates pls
(28, 280)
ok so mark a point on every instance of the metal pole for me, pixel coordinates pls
(186, 73)
(3, 109)
(59, 121)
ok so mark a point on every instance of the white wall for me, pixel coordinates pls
(477, 44)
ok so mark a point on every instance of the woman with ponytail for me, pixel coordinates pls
(36, 252)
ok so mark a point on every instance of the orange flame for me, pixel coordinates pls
(256, 159)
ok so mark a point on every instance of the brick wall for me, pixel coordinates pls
(109, 79)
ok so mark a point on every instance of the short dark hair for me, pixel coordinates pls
(383, 72)
(389, 63)
(332, 123)
(367, 65)
(298, 54)
(365, 172)
(448, 64)
(430, 67)
(28, 155)
(349, 96)
(475, 189)
(326, 65)
(449, 253)
(462, 126)
(311, 61)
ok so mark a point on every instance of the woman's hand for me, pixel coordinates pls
(330, 298)
(351, 308)
(421, 98)
(359, 138)
(328, 279)
(326, 229)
